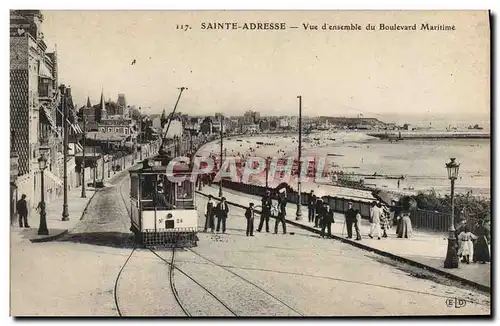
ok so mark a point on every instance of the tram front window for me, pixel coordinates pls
(154, 193)
(184, 194)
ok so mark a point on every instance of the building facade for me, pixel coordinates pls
(35, 108)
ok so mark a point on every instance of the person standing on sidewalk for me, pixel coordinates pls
(384, 219)
(481, 249)
(222, 210)
(281, 214)
(209, 215)
(22, 211)
(319, 213)
(249, 215)
(357, 224)
(311, 202)
(266, 211)
(350, 219)
(327, 220)
(374, 220)
(466, 247)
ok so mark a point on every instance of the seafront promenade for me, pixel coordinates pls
(426, 250)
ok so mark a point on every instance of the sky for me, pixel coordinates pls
(436, 74)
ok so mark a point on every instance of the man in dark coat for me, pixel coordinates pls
(222, 211)
(281, 215)
(319, 209)
(209, 215)
(249, 215)
(266, 211)
(311, 205)
(22, 211)
(350, 219)
(326, 220)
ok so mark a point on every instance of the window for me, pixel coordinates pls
(117, 130)
(134, 182)
(103, 129)
(184, 190)
(126, 131)
(110, 130)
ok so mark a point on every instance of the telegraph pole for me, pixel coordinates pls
(298, 214)
(221, 150)
(141, 138)
(94, 163)
(103, 154)
(64, 105)
(83, 163)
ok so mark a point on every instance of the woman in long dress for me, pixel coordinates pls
(405, 229)
(466, 248)
(481, 249)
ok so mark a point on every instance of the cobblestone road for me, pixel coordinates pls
(266, 275)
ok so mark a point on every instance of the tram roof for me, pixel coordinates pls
(160, 169)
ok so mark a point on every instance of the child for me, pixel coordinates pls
(465, 245)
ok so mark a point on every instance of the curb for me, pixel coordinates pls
(50, 237)
(359, 245)
(66, 231)
(87, 205)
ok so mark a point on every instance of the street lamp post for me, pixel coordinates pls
(267, 172)
(84, 195)
(109, 161)
(221, 150)
(298, 214)
(64, 105)
(94, 166)
(451, 260)
(42, 229)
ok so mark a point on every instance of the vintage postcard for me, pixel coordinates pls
(250, 163)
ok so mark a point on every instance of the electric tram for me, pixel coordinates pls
(163, 207)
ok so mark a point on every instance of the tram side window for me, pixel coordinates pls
(148, 187)
(134, 181)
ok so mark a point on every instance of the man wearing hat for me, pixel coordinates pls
(266, 211)
(350, 219)
(249, 215)
(282, 213)
(311, 202)
(327, 220)
(222, 210)
(319, 211)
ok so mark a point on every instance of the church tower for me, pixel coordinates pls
(102, 107)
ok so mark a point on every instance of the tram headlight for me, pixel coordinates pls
(169, 216)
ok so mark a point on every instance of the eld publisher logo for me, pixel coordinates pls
(455, 303)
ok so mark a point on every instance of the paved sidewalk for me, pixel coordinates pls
(55, 225)
(426, 250)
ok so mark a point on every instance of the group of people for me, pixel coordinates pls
(320, 213)
(221, 211)
(473, 245)
(382, 218)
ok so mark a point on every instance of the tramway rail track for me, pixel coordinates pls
(172, 268)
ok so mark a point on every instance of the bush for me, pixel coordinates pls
(465, 205)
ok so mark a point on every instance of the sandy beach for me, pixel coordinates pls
(360, 154)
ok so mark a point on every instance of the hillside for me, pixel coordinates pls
(346, 121)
